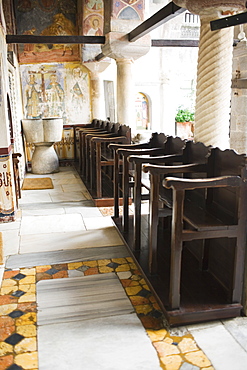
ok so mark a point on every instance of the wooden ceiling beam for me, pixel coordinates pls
(174, 43)
(33, 39)
(230, 21)
(165, 14)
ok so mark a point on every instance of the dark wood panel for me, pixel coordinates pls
(174, 43)
(32, 39)
(169, 11)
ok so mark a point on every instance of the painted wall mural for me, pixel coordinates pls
(128, 9)
(93, 23)
(47, 18)
(7, 198)
(45, 86)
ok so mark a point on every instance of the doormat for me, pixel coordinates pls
(37, 183)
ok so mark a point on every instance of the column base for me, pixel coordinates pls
(44, 159)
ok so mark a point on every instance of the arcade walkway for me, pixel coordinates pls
(73, 298)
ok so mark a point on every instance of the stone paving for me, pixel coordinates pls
(93, 248)
(18, 310)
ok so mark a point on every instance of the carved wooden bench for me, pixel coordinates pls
(207, 238)
(102, 156)
(95, 124)
(102, 127)
(122, 166)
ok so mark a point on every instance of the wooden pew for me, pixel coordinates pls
(121, 165)
(101, 127)
(193, 159)
(170, 151)
(101, 155)
(207, 240)
(76, 128)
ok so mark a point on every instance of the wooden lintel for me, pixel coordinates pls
(230, 21)
(174, 43)
(33, 39)
(239, 83)
(169, 11)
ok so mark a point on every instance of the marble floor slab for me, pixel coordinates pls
(69, 240)
(85, 211)
(238, 329)
(108, 338)
(82, 298)
(11, 241)
(57, 257)
(74, 196)
(97, 223)
(36, 197)
(52, 224)
(220, 347)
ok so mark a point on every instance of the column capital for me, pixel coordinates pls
(117, 46)
(208, 7)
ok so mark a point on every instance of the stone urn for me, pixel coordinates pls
(43, 133)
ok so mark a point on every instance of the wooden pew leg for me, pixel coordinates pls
(116, 184)
(98, 170)
(176, 249)
(137, 207)
(125, 194)
(153, 223)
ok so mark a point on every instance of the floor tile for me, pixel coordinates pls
(97, 223)
(74, 196)
(73, 187)
(85, 211)
(220, 347)
(82, 298)
(43, 211)
(70, 240)
(92, 324)
(51, 223)
(36, 197)
(238, 329)
(55, 257)
(11, 241)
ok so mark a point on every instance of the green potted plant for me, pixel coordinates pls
(184, 121)
(184, 115)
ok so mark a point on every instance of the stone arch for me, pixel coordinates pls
(128, 13)
(142, 111)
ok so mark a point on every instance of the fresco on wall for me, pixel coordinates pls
(44, 87)
(47, 18)
(93, 22)
(7, 198)
(128, 9)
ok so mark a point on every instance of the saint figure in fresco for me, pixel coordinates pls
(55, 97)
(95, 4)
(79, 94)
(94, 30)
(90, 51)
(33, 98)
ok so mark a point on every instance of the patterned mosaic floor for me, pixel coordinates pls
(18, 315)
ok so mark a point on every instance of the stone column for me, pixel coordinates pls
(125, 92)
(121, 18)
(97, 97)
(212, 112)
